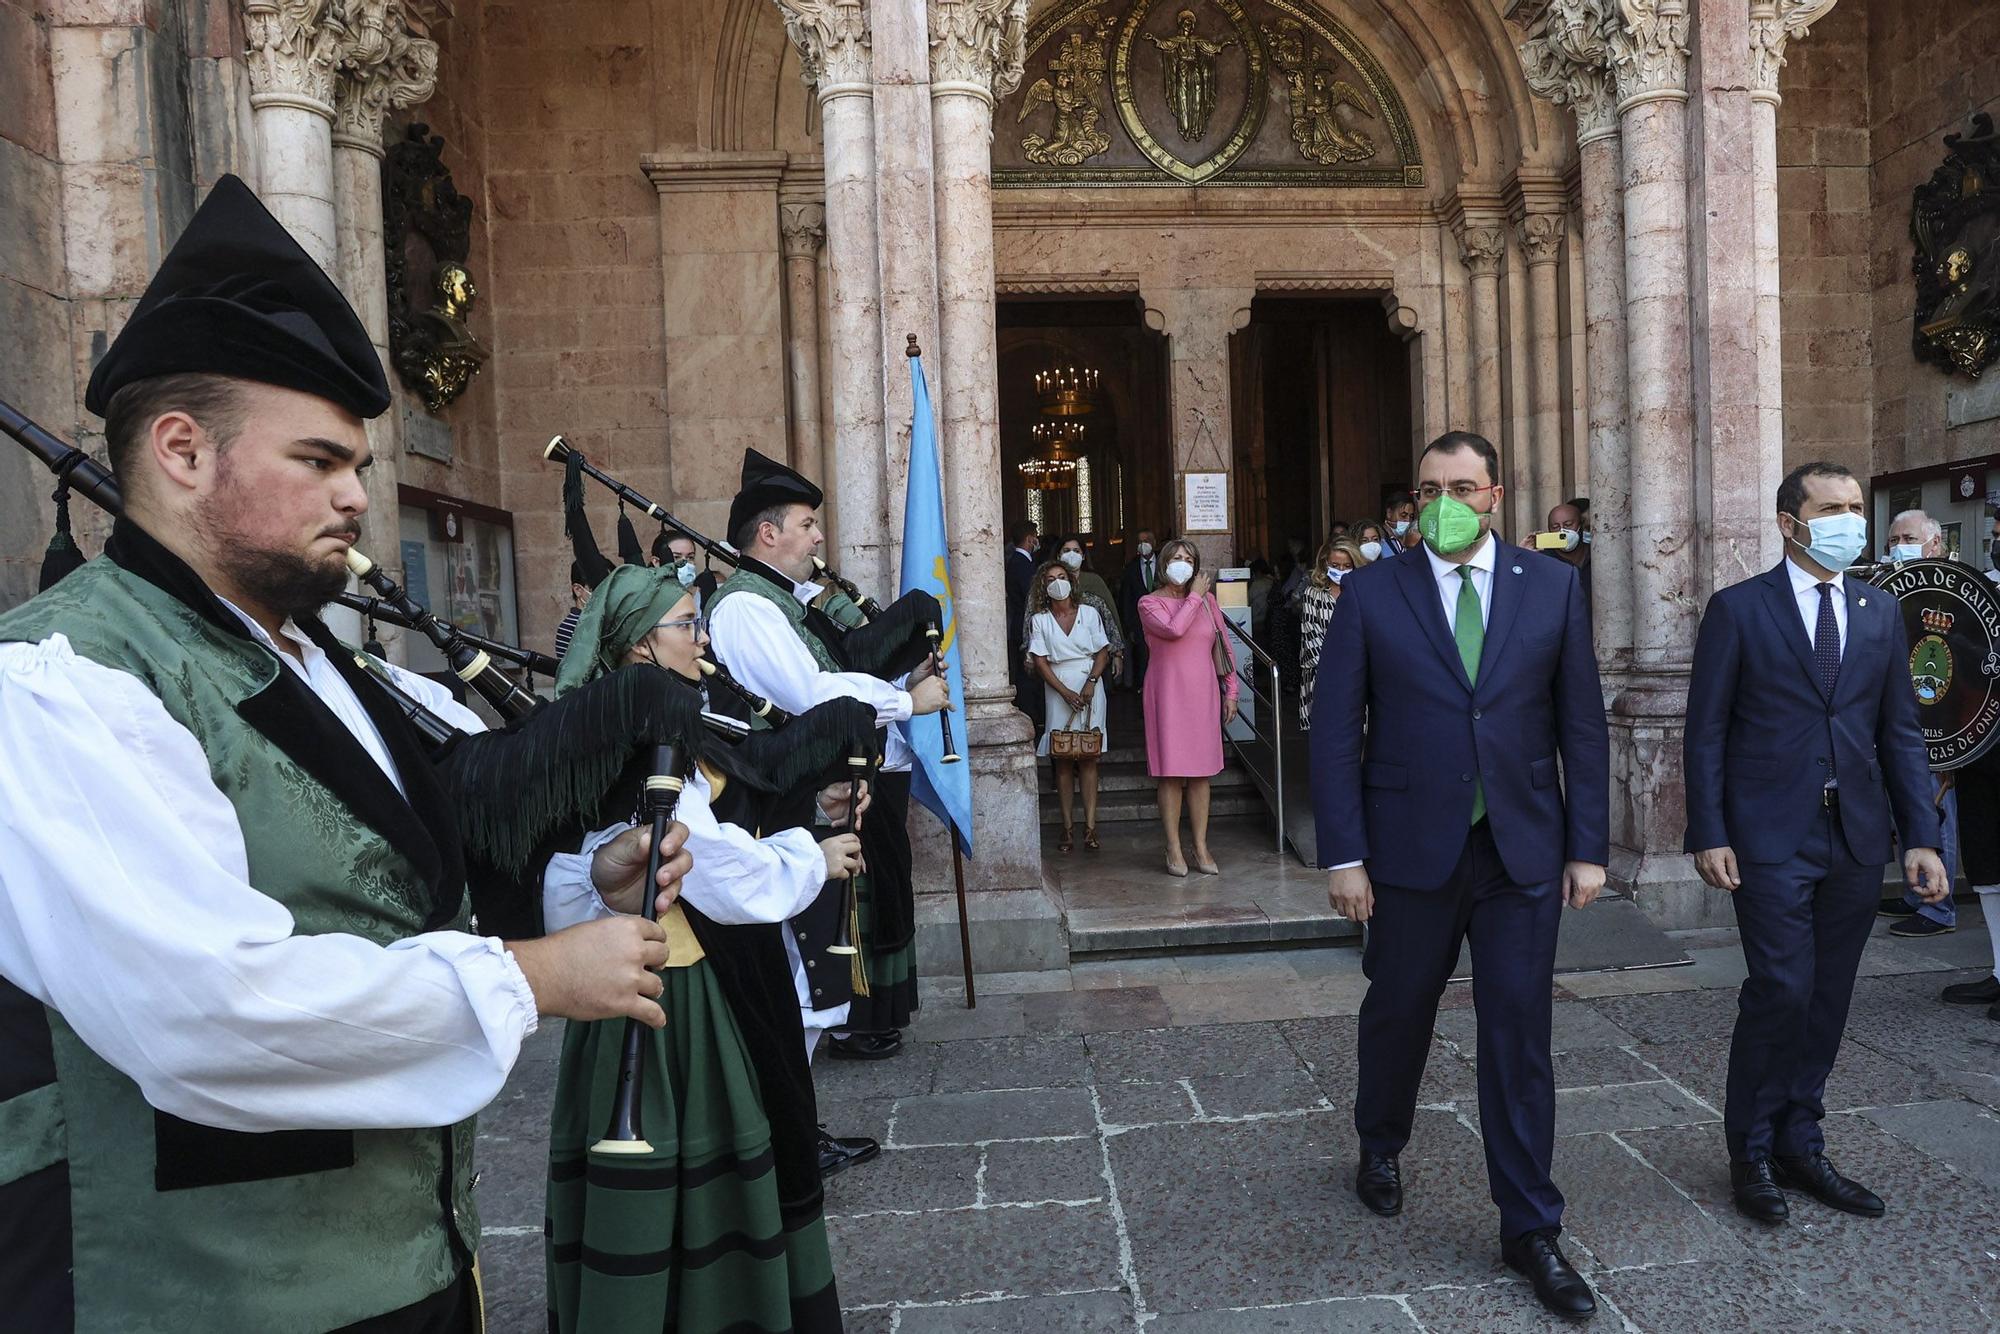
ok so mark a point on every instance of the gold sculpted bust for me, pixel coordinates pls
(455, 356)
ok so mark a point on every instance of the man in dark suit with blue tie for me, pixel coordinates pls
(1023, 537)
(1448, 817)
(1802, 747)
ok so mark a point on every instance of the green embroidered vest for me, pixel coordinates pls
(743, 581)
(176, 1226)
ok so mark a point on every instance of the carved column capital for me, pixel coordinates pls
(1567, 59)
(1649, 50)
(832, 39)
(803, 227)
(292, 51)
(383, 66)
(1773, 24)
(1481, 248)
(1542, 237)
(978, 46)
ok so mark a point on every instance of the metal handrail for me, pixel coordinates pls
(1272, 706)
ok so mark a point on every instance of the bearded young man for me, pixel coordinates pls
(243, 1026)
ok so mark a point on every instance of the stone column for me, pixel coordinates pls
(294, 53)
(1198, 322)
(802, 228)
(832, 38)
(975, 55)
(1482, 246)
(1541, 244)
(1567, 60)
(383, 66)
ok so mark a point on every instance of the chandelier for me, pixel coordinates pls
(1052, 467)
(1067, 391)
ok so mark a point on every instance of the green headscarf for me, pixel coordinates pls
(623, 611)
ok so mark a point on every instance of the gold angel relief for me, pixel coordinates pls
(1075, 77)
(1317, 99)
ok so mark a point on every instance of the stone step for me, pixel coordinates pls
(1122, 807)
(1127, 776)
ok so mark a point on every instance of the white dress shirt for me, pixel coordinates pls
(123, 874)
(1449, 581)
(759, 647)
(1805, 592)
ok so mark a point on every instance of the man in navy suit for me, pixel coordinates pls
(1802, 743)
(1447, 817)
(1023, 537)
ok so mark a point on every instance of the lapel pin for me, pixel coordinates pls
(1517, 569)
(1864, 602)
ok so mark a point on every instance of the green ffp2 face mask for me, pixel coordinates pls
(1448, 525)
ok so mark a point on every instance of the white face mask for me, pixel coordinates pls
(1179, 571)
(1572, 539)
(1372, 550)
(1335, 574)
(1145, 548)
(1400, 527)
(1058, 589)
(1073, 559)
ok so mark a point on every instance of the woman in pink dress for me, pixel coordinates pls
(1187, 700)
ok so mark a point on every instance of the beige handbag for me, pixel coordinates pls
(1074, 743)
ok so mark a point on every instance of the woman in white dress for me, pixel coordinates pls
(1068, 648)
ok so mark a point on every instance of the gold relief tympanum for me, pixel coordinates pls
(1955, 222)
(1242, 92)
(1075, 77)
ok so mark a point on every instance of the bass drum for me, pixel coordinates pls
(1951, 616)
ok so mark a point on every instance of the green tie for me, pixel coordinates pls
(1471, 636)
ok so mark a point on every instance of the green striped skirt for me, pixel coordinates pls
(892, 974)
(688, 1237)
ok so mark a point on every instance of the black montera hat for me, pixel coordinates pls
(767, 482)
(238, 296)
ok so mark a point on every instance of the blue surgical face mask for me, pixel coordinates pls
(1903, 551)
(1837, 540)
(1399, 527)
(686, 573)
(1335, 574)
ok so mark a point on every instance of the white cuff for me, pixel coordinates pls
(569, 897)
(1346, 866)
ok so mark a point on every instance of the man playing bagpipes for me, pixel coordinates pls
(717, 1224)
(785, 637)
(243, 1026)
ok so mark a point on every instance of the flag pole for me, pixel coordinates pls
(964, 931)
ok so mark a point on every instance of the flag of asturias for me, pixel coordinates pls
(945, 788)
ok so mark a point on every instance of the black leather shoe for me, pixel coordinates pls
(1894, 908)
(1814, 1175)
(1559, 1287)
(837, 1155)
(866, 1046)
(1983, 992)
(1757, 1193)
(1379, 1183)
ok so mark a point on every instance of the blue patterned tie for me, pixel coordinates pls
(1826, 643)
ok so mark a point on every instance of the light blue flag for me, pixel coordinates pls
(945, 788)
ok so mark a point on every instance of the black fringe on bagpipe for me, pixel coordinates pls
(895, 641)
(813, 747)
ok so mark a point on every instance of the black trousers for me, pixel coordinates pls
(1804, 922)
(1413, 942)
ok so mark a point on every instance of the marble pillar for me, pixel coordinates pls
(1482, 246)
(1541, 244)
(294, 54)
(833, 42)
(802, 229)
(965, 77)
(384, 66)
(907, 255)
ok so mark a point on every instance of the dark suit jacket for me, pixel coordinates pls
(1400, 796)
(1020, 573)
(1132, 586)
(1760, 735)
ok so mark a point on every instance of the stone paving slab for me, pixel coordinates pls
(967, 1253)
(1341, 1315)
(1074, 1313)
(977, 1118)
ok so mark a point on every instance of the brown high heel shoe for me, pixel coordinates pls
(1090, 838)
(1068, 840)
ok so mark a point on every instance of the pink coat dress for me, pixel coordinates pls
(1183, 696)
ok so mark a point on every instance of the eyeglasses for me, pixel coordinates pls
(692, 624)
(1460, 491)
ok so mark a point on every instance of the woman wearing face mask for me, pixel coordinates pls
(1190, 695)
(727, 1104)
(1336, 560)
(1370, 541)
(1088, 589)
(1068, 648)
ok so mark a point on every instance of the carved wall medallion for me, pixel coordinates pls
(1955, 222)
(1238, 92)
(426, 233)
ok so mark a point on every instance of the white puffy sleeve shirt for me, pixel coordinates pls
(125, 905)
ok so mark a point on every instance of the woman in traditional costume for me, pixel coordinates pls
(720, 1226)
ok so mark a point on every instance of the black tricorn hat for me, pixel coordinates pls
(767, 482)
(238, 296)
